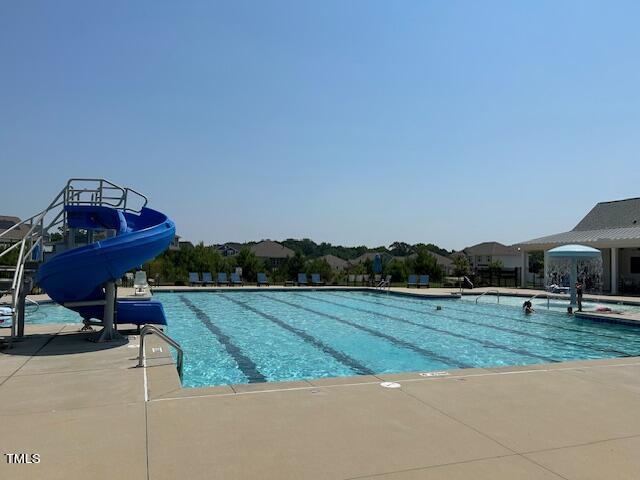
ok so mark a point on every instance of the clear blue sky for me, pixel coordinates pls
(358, 122)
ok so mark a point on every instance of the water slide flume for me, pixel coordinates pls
(83, 278)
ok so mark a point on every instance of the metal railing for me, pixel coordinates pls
(146, 330)
(497, 292)
(548, 297)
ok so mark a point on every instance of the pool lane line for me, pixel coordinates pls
(515, 319)
(484, 343)
(494, 327)
(340, 357)
(245, 364)
(394, 340)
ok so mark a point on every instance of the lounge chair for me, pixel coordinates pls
(358, 280)
(262, 280)
(222, 279)
(365, 279)
(315, 279)
(351, 279)
(140, 284)
(377, 278)
(207, 279)
(194, 279)
(423, 281)
(412, 281)
(236, 280)
(302, 279)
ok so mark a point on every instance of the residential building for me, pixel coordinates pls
(336, 263)
(230, 249)
(271, 252)
(175, 243)
(483, 254)
(15, 235)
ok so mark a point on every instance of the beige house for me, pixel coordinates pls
(613, 228)
(483, 254)
(15, 235)
(271, 252)
(336, 263)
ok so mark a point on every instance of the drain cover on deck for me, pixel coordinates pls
(390, 385)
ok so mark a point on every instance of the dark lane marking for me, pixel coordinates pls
(396, 341)
(506, 317)
(495, 327)
(246, 365)
(484, 343)
(353, 364)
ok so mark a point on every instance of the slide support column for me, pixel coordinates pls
(108, 332)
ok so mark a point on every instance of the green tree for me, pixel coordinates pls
(400, 249)
(495, 266)
(461, 265)
(426, 264)
(293, 265)
(249, 263)
(10, 258)
(397, 269)
(322, 267)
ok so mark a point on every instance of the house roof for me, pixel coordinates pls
(587, 236)
(616, 221)
(490, 248)
(235, 245)
(615, 214)
(271, 249)
(18, 233)
(335, 262)
(440, 259)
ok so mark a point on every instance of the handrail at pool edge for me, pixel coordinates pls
(153, 329)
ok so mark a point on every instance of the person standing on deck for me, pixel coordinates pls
(579, 294)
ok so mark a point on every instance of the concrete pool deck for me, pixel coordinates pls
(90, 413)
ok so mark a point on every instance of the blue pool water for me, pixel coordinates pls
(243, 337)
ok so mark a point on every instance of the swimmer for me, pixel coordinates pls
(528, 307)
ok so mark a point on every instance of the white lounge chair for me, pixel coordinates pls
(140, 284)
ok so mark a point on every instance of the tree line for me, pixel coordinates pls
(173, 266)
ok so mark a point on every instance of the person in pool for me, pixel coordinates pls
(528, 307)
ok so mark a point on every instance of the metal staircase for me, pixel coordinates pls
(48, 233)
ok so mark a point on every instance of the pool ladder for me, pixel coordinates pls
(146, 330)
(497, 292)
(546, 295)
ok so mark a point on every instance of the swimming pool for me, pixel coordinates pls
(245, 337)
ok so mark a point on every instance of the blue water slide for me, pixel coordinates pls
(78, 275)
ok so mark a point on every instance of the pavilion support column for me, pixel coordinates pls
(524, 268)
(614, 270)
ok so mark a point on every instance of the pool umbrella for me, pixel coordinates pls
(377, 264)
(573, 252)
